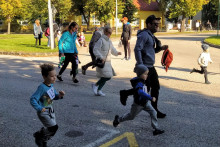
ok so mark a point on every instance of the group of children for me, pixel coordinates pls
(43, 98)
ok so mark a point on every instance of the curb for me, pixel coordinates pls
(30, 54)
(212, 45)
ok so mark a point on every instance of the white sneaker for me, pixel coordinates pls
(95, 89)
(100, 93)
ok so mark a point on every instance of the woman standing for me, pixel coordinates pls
(37, 31)
(103, 50)
(67, 48)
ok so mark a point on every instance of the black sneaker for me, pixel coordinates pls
(59, 78)
(160, 114)
(123, 97)
(193, 70)
(75, 81)
(83, 70)
(207, 82)
(38, 138)
(157, 132)
(116, 122)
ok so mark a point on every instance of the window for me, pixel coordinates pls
(93, 19)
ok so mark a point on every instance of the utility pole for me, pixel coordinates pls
(218, 17)
(51, 25)
(116, 19)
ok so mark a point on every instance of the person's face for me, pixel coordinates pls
(154, 26)
(74, 29)
(51, 78)
(125, 21)
(108, 33)
(144, 75)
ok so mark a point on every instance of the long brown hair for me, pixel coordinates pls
(73, 24)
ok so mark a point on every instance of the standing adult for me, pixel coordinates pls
(126, 37)
(37, 31)
(95, 37)
(146, 47)
(103, 50)
(197, 25)
(47, 34)
(67, 48)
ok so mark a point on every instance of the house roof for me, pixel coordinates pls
(143, 6)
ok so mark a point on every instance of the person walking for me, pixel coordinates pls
(203, 61)
(146, 47)
(95, 37)
(42, 101)
(37, 31)
(126, 37)
(67, 48)
(103, 50)
(47, 34)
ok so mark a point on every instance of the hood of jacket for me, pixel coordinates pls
(135, 81)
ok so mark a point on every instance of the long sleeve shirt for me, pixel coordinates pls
(43, 97)
(204, 59)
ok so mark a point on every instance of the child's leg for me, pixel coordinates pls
(102, 82)
(153, 114)
(135, 109)
(205, 75)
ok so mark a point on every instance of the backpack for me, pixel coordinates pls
(47, 32)
(166, 59)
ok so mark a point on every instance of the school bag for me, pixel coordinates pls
(47, 32)
(166, 59)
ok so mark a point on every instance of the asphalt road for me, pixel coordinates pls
(85, 120)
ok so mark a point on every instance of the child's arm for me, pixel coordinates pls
(144, 95)
(35, 98)
(59, 95)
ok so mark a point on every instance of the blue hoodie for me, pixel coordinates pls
(67, 43)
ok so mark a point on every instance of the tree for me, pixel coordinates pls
(129, 10)
(209, 12)
(185, 8)
(9, 9)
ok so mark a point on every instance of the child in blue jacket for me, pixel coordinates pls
(42, 101)
(141, 100)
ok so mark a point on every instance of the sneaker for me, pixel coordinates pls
(157, 132)
(125, 58)
(193, 70)
(95, 89)
(116, 122)
(59, 77)
(100, 93)
(160, 114)
(83, 70)
(123, 97)
(128, 59)
(75, 80)
(207, 82)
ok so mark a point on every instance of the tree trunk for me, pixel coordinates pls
(9, 24)
(88, 23)
(183, 23)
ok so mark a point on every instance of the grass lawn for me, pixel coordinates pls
(213, 40)
(25, 43)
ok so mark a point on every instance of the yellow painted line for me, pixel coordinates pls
(130, 136)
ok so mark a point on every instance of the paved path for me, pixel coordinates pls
(192, 107)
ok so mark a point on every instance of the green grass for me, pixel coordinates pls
(215, 40)
(25, 43)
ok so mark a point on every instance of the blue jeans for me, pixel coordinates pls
(48, 43)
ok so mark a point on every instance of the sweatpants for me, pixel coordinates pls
(136, 109)
(203, 71)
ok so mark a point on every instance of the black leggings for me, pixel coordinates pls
(127, 48)
(70, 57)
(39, 38)
(203, 71)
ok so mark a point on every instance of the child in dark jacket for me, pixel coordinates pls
(141, 100)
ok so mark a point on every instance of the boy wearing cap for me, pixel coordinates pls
(203, 61)
(141, 100)
(126, 37)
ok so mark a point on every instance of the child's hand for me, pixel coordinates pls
(43, 110)
(61, 94)
(153, 99)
